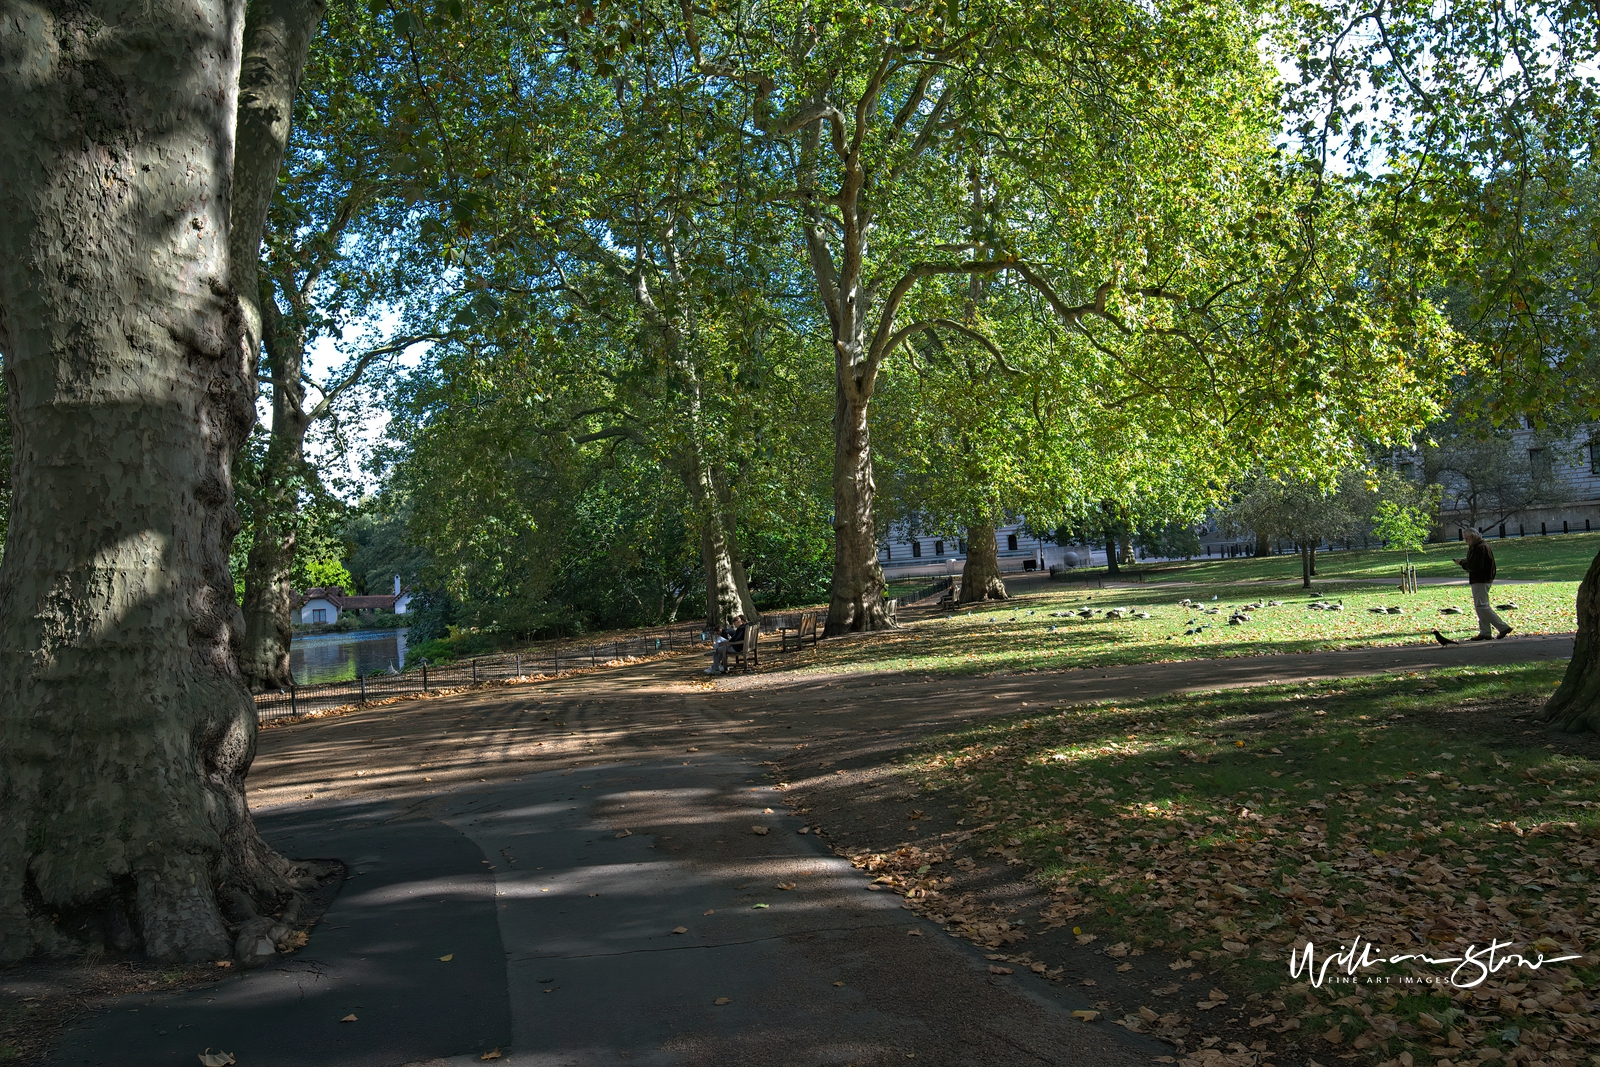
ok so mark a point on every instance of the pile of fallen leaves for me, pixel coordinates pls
(1152, 827)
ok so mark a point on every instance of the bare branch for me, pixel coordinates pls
(332, 393)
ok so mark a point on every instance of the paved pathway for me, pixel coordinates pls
(551, 839)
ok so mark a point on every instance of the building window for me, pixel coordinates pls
(1594, 455)
(1011, 542)
(938, 548)
(1408, 471)
(1539, 460)
(319, 614)
(888, 553)
(916, 549)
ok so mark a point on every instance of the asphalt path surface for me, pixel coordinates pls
(615, 879)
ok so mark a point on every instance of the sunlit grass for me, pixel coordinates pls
(1041, 631)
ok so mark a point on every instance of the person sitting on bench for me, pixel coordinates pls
(732, 635)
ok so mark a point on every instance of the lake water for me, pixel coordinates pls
(341, 657)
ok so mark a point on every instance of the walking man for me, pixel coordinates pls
(1480, 569)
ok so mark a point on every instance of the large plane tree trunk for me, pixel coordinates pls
(980, 575)
(1575, 705)
(125, 728)
(857, 594)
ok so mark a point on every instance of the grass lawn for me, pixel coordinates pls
(1557, 558)
(1040, 631)
(1420, 813)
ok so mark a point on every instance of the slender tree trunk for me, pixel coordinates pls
(268, 595)
(125, 727)
(980, 575)
(726, 587)
(857, 594)
(741, 580)
(1575, 705)
(1305, 565)
(1111, 555)
(1263, 545)
(277, 38)
(1311, 558)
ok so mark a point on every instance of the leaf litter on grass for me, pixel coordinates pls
(1233, 829)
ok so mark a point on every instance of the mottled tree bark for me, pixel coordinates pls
(980, 575)
(1111, 555)
(1575, 705)
(856, 601)
(277, 38)
(268, 596)
(125, 728)
(727, 587)
(1263, 545)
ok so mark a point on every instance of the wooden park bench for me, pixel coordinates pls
(805, 630)
(746, 652)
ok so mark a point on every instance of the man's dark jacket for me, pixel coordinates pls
(1480, 564)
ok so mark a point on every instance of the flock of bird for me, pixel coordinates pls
(1241, 614)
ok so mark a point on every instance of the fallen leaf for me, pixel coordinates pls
(838, 983)
(1124, 966)
(762, 830)
(913, 933)
(625, 833)
(710, 911)
(447, 957)
(999, 970)
(1086, 1016)
(216, 1059)
(1037, 968)
(723, 1000)
(1265, 1020)
(349, 1018)
(224, 963)
(754, 906)
(680, 929)
(492, 1054)
(1333, 1036)
(785, 885)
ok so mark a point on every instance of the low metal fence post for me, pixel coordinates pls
(424, 676)
(519, 664)
(363, 679)
(594, 660)
(294, 703)
(474, 670)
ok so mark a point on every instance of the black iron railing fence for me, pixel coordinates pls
(546, 658)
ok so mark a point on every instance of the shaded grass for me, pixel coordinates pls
(1040, 630)
(1228, 827)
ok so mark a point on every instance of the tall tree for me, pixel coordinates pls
(338, 251)
(125, 729)
(1479, 120)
